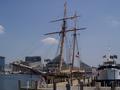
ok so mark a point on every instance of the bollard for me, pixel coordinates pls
(68, 86)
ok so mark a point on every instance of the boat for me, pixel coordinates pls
(109, 71)
(60, 68)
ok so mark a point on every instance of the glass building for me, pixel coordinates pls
(2, 63)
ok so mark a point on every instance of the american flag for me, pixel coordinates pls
(77, 55)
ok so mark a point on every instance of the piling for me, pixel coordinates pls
(36, 85)
(97, 84)
(113, 85)
(81, 85)
(54, 85)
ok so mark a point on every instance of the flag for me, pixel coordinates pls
(115, 56)
(104, 56)
(77, 55)
(111, 57)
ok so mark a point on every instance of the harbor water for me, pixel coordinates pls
(10, 81)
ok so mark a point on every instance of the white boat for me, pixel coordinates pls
(109, 71)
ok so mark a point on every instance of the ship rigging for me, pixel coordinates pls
(63, 33)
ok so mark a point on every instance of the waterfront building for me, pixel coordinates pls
(30, 62)
(2, 63)
(34, 62)
(31, 59)
(53, 65)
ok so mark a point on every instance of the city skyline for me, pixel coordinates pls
(23, 24)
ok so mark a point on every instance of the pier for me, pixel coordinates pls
(63, 86)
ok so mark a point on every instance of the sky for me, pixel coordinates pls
(23, 24)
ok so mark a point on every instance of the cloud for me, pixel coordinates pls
(50, 41)
(2, 30)
(113, 21)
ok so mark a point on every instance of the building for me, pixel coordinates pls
(2, 63)
(53, 65)
(34, 62)
(32, 59)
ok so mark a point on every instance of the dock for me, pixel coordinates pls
(64, 86)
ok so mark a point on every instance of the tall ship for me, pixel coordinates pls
(63, 68)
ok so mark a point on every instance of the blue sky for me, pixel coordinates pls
(23, 23)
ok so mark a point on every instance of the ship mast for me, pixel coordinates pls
(75, 44)
(63, 32)
(63, 36)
